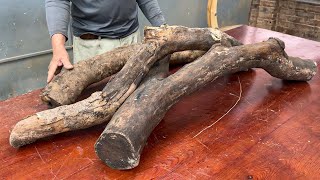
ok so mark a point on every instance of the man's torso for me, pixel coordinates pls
(110, 18)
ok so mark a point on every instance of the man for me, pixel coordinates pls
(98, 26)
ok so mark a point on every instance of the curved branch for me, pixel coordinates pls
(122, 142)
(68, 85)
(161, 42)
(89, 112)
(80, 115)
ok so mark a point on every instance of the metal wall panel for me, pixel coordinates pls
(18, 77)
(233, 12)
(190, 13)
(24, 74)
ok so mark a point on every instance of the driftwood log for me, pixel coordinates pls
(100, 106)
(121, 143)
(68, 85)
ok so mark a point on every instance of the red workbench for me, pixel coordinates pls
(273, 132)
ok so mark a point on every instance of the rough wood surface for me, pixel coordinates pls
(81, 115)
(100, 106)
(185, 57)
(122, 142)
(68, 85)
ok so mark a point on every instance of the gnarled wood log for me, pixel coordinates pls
(81, 115)
(68, 85)
(121, 143)
(100, 106)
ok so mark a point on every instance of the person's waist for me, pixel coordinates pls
(104, 33)
(90, 36)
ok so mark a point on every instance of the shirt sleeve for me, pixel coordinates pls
(152, 11)
(58, 16)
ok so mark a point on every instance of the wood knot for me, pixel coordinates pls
(280, 42)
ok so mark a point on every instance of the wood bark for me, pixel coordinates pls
(121, 143)
(159, 42)
(68, 85)
(185, 57)
(100, 106)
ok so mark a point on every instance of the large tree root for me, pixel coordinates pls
(159, 42)
(100, 106)
(121, 143)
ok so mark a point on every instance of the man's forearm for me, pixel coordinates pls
(58, 41)
(152, 11)
(58, 15)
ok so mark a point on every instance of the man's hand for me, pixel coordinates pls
(60, 56)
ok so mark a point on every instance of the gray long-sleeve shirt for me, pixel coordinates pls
(107, 18)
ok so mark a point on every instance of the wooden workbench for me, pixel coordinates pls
(272, 132)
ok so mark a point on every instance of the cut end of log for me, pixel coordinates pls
(117, 151)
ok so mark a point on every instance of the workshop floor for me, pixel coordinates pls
(270, 130)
